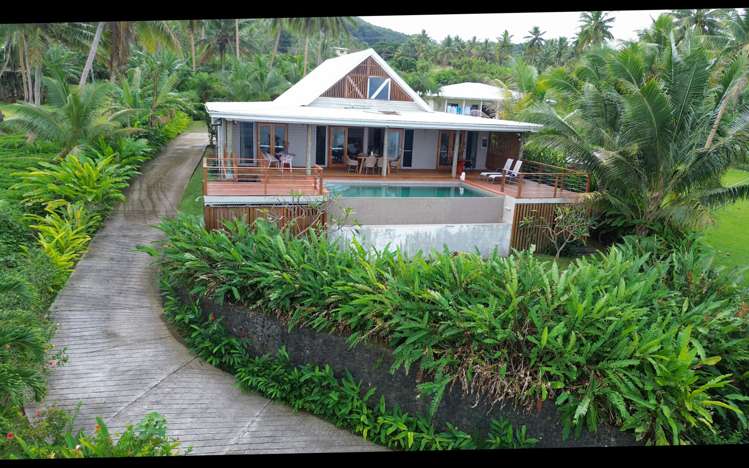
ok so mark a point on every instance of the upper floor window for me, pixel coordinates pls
(379, 88)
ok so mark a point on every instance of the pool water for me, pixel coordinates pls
(404, 191)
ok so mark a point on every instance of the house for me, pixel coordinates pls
(476, 99)
(410, 174)
(356, 104)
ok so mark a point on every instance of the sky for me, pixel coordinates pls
(490, 26)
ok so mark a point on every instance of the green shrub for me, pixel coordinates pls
(316, 390)
(63, 233)
(177, 125)
(53, 437)
(96, 183)
(651, 342)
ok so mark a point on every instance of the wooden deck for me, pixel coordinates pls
(297, 182)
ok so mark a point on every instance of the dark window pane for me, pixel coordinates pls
(355, 141)
(246, 138)
(408, 144)
(320, 145)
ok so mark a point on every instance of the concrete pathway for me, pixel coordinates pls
(124, 362)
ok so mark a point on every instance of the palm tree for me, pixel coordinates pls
(75, 115)
(30, 42)
(534, 37)
(150, 35)
(504, 49)
(534, 42)
(277, 26)
(91, 54)
(252, 81)
(594, 30)
(192, 27)
(655, 137)
(217, 40)
(704, 21)
(307, 27)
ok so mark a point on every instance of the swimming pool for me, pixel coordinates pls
(402, 191)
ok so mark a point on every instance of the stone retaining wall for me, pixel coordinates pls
(371, 363)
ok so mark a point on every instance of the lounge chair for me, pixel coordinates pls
(508, 166)
(511, 174)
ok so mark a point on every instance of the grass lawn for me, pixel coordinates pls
(192, 198)
(729, 236)
(5, 109)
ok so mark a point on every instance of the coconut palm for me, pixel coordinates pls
(534, 42)
(30, 41)
(704, 21)
(149, 35)
(307, 27)
(277, 25)
(76, 115)
(655, 136)
(595, 29)
(252, 81)
(504, 47)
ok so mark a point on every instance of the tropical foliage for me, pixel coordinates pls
(318, 391)
(650, 340)
(654, 131)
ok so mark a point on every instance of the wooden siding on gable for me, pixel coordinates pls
(354, 85)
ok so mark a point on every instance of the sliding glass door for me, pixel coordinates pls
(445, 145)
(337, 149)
(271, 139)
(246, 143)
(393, 143)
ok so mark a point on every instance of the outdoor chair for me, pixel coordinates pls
(287, 159)
(511, 174)
(394, 163)
(352, 165)
(272, 161)
(508, 166)
(370, 163)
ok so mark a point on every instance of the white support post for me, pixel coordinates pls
(456, 145)
(310, 146)
(385, 152)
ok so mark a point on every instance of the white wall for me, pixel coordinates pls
(424, 149)
(412, 238)
(298, 143)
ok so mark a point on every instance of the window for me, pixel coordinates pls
(246, 143)
(376, 141)
(355, 143)
(320, 145)
(408, 149)
(471, 150)
(379, 88)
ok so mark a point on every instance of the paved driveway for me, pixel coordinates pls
(123, 361)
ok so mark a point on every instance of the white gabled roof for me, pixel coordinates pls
(479, 91)
(331, 71)
(275, 112)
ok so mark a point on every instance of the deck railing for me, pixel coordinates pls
(555, 181)
(233, 175)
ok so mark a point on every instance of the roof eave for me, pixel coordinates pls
(488, 127)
